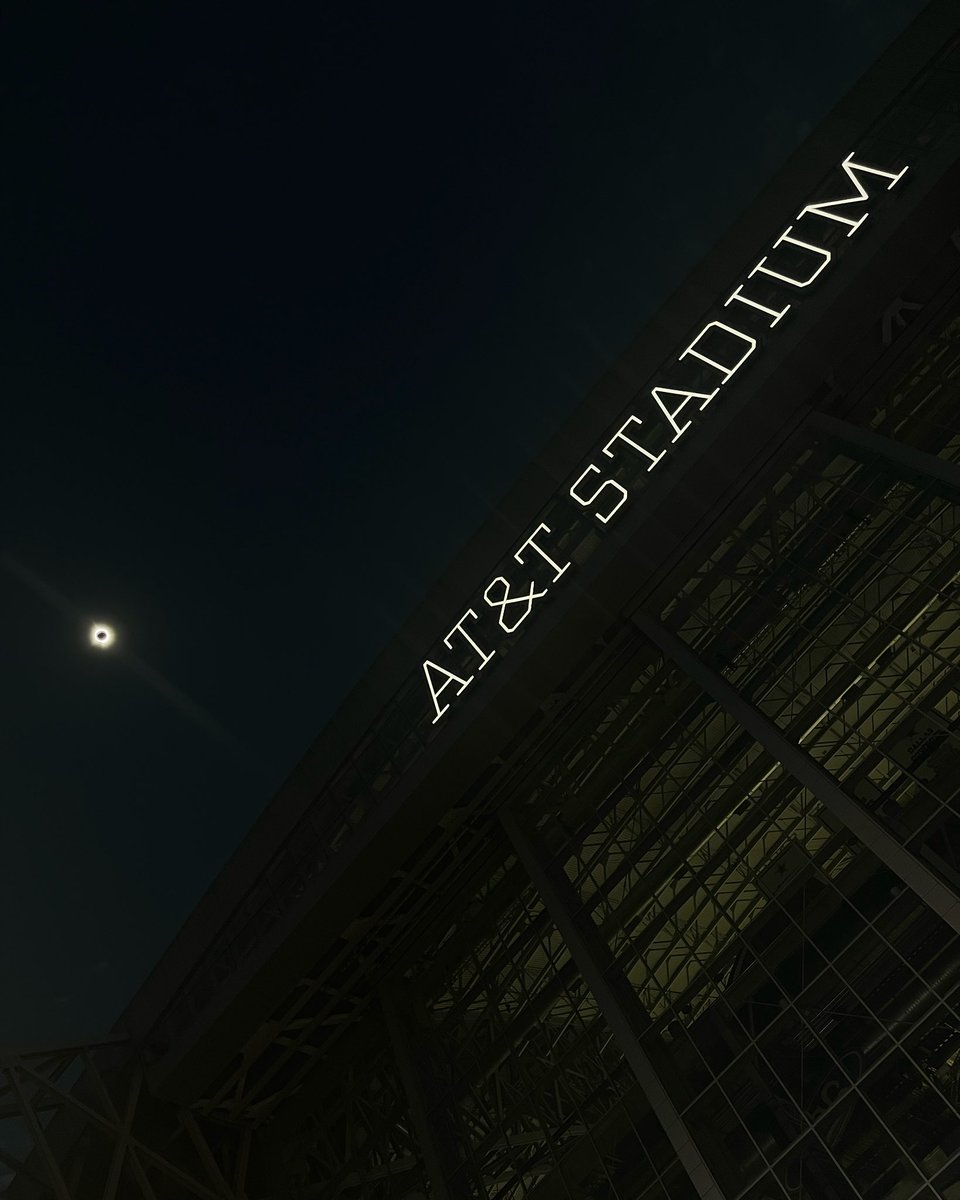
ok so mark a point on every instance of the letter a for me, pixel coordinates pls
(448, 678)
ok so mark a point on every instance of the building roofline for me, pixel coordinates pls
(834, 137)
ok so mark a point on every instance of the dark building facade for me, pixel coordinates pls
(632, 870)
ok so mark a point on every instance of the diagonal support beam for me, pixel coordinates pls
(21, 1168)
(808, 772)
(868, 445)
(241, 1164)
(613, 993)
(57, 1181)
(436, 1143)
(122, 1150)
(111, 1126)
(215, 1176)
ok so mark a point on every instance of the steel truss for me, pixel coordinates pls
(78, 1121)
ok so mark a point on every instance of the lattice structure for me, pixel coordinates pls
(78, 1121)
(689, 931)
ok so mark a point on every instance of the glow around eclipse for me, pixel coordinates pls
(102, 636)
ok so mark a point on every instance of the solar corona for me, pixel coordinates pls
(630, 870)
(102, 636)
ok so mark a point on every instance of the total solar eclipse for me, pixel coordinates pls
(102, 636)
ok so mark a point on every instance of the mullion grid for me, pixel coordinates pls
(556, 1050)
(897, 1041)
(907, 637)
(936, 626)
(859, 701)
(846, 731)
(527, 937)
(876, 924)
(725, 901)
(787, 486)
(640, 804)
(625, 820)
(830, 734)
(845, 734)
(737, 876)
(736, 761)
(753, 1047)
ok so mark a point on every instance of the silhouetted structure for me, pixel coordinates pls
(650, 886)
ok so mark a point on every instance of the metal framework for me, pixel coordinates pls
(77, 1121)
(673, 965)
(691, 934)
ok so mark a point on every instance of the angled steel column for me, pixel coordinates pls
(439, 1155)
(808, 772)
(612, 991)
(57, 1182)
(867, 445)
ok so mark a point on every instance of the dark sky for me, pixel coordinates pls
(289, 294)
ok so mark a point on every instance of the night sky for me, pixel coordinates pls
(290, 294)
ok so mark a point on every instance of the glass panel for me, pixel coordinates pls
(809, 1173)
(947, 1183)
(869, 1157)
(934, 1045)
(723, 1140)
(913, 1111)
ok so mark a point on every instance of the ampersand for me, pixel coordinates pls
(505, 598)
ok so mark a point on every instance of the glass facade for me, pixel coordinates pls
(686, 929)
(917, 128)
(796, 999)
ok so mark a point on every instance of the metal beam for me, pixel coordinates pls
(613, 993)
(111, 1127)
(868, 445)
(215, 1176)
(123, 1152)
(439, 1156)
(808, 772)
(57, 1182)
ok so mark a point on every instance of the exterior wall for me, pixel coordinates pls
(677, 916)
(794, 1000)
(363, 771)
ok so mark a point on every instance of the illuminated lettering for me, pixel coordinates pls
(458, 628)
(622, 437)
(659, 392)
(737, 294)
(720, 346)
(448, 678)
(727, 372)
(543, 554)
(506, 599)
(785, 237)
(583, 501)
(820, 209)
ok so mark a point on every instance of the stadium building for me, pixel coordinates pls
(631, 870)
